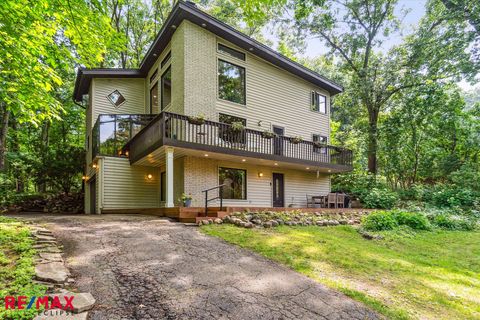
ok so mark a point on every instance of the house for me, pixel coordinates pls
(208, 106)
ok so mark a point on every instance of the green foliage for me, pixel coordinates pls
(450, 222)
(379, 221)
(414, 220)
(380, 198)
(16, 266)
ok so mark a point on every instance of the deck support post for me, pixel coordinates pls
(169, 175)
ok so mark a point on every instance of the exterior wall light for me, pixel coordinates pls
(94, 166)
(260, 174)
(149, 176)
(84, 177)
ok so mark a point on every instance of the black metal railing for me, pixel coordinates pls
(112, 131)
(220, 196)
(179, 130)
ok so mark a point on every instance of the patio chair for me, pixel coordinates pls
(310, 202)
(332, 199)
(341, 200)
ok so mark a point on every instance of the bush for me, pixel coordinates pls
(378, 198)
(380, 220)
(414, 220)
(453, 222)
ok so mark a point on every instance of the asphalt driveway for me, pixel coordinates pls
(142, 267)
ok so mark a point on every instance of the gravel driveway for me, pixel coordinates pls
(142, 267)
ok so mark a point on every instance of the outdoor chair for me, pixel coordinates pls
(340, 200)
(310, 202)
(332, 199)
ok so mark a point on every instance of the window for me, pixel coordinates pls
(154, 99)
(229, 134)
(231, 52)
(166, 59)
(319, 102)
(163, 186)
(166, 88)
(154, 74)
(235, 181)
(116, 98)
(322, 140)
(231, 82)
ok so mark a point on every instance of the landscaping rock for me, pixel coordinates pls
(274, 223)
(44, 237)
(267, 224)
(248, 225)
(53, 257)
(51, 272)
(218, 221)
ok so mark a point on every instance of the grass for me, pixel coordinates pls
(17, 267)
(407, 275)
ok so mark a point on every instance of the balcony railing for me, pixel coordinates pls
(112, 131)
(172, 129)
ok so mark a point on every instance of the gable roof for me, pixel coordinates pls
(189, 11)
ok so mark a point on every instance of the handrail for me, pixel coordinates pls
(220, 187)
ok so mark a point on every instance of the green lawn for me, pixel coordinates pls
(418, 275)
(16, 267)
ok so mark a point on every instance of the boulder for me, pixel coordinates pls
(51, 272)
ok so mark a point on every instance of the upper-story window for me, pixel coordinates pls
(166, 59)
(166, 83)
(231, 82)
(231, 52)
(318, 102)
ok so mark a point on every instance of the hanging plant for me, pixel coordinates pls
(296, 139)
(319, 144)
(237, 126)
(267, 134)
(197, 120)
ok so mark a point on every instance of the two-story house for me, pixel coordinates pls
(263, 138)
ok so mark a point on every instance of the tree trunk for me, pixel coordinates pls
(3, 134)
(372, 140)
(42, 187)
(15, 147)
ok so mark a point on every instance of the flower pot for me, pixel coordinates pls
(196, 121)
(187, 203)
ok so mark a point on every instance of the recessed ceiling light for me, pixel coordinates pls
(206, 155)
(204, 25)
(251, 49)
(154, 54)
(243, 160)
(329, 170)
(174, 26)
(307, 168)
(276, 164)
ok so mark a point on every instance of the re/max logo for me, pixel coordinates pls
(21, 302)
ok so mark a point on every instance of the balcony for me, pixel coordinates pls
(169, 129)
(112, 131)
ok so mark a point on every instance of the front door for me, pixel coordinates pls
(278, 190)
(278, 140)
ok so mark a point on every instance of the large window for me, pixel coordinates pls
(235, 181)
(166, 88)
(231, 82)
(318, 102)
(154, 99)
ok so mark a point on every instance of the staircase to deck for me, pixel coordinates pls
(196, 214)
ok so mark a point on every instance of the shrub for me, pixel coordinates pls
(378, 198)
(380, 220)
(414, 220)
(453, 222)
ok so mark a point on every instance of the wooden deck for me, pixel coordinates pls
(193, 214)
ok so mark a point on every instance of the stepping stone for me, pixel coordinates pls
(81, 301)
(44, 237)
(58, 314)
(49, 250)
(51, 256)
(47, 242)
(51, 272)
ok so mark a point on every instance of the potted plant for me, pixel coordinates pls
(296, 139)
(199, 119)
(237, 126)
(319, 144)
(267, 134)
(186, 200)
